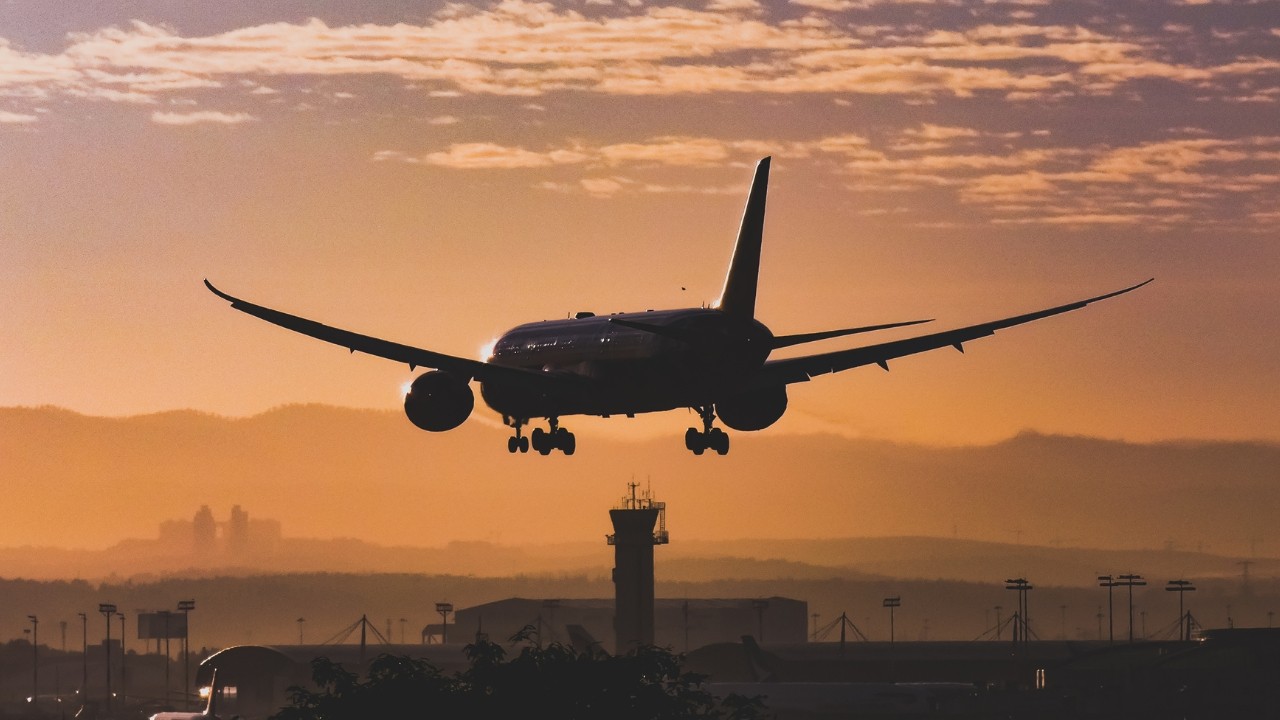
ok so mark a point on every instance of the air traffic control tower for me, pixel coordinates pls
(633, 539)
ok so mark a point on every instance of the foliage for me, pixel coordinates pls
(555, 681)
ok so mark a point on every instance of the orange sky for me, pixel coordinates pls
(437, 176)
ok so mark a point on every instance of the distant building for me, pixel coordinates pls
(679, 624)
(215, 542)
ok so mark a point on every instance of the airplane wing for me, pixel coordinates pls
(800, 369)
(415, 357)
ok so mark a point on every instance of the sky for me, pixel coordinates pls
(435, 173)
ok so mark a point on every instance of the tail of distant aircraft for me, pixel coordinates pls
(739, 294)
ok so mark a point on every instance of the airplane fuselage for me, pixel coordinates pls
(630, 362)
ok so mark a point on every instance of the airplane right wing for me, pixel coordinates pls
(464, 368)
(801, 369)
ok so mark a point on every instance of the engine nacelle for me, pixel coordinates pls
(438, 401)
(755, 410)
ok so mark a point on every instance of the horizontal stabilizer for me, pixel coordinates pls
(782, 341)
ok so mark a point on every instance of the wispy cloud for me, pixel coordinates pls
(201, 117)
(13, 118)
(1143, 183)
(523, 48)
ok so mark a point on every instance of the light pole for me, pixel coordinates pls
(1109, 582)
(444, 609)
(1180, 587)
(84, 657)
(402, 622)
(186, 606)
(1021, 585)
(124, 691)
(891, 603)
(107, 610)
(300, 622)
(35, 659)
(1129, 581)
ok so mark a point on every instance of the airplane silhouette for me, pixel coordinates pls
(714, 360)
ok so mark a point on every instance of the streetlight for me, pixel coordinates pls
(84, 656)
(35, 658)
(300, 622)
(1109, 582)
(1129, 581)
(107, 610)
(186, 606)
(1180, 587)
(402, 622)
(444, 609)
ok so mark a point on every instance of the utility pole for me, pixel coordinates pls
(1129, 581)
(1184, 623)
(1109, 582)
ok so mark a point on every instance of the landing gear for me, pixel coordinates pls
(556, 438)
(709, 438)
(517, 443)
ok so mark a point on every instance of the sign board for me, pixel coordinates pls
(160, 625)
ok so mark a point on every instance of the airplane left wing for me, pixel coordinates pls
(464, 368)
(800, 369)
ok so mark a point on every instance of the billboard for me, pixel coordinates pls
(160, 625)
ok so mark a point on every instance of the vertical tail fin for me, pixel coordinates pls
(739, 294)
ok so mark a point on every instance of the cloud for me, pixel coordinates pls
(527, 49)
(201, 117)
(13, 118)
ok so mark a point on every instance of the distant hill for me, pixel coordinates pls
(325, 472)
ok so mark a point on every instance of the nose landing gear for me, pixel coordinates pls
(709, 438)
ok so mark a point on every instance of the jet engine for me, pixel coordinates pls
(438, 401)
(755, 410)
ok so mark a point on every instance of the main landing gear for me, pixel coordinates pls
(542, 441)
(709, 438)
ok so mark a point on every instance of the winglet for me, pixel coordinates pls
(218, 292)
(739, 294)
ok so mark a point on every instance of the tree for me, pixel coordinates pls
(554, 681)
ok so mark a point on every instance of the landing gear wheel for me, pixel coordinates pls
(565, 441)
(718, 440)
(513, 444)
(524, 444)
(541, 441)
(692, 439)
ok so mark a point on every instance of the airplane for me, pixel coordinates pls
(713, 360)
